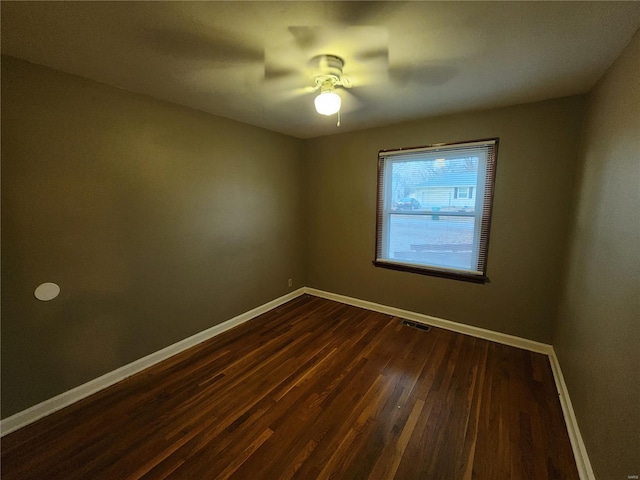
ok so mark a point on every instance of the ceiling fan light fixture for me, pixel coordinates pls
(328, 102)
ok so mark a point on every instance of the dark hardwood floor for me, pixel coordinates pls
(313, 390)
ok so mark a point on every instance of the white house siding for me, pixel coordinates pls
(442, 198)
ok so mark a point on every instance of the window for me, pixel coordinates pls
(434, 209)
(463, 192)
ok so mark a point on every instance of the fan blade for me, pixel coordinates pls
(284, 80)
(350, 101)
(280, 79)
(363, 75)
(432, 75)
(283, 95)
(286, 65)
(377, 54)
(296, 93)
(306, 37)
(275, 74)
(364, 13)
(214, 46)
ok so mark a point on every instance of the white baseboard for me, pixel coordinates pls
(577, 444)
(579, 450)
(54, 404)
(438, 322)
(36, 412)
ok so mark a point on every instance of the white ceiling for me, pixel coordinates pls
(248, 60)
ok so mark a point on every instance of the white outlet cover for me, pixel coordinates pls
(47, 291)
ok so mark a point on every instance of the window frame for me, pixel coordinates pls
(482, 212)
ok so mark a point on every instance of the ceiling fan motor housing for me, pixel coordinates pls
(328, 68)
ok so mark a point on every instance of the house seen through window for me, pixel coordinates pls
(434, 209)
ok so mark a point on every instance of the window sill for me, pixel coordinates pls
(465, 277)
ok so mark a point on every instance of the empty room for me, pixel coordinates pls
(313, 240)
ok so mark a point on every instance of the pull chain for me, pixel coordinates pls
(338, 124)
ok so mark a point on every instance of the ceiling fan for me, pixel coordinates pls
(328, 74)
(289, 75)
(326, 71)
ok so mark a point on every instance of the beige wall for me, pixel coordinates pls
(597, 336)
(534, 181)
(157, 222)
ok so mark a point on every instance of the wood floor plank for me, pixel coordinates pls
(313, 389)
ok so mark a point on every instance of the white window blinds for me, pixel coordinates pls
(434, 209)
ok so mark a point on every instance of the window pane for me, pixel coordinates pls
(438, 184)
(436, 240)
